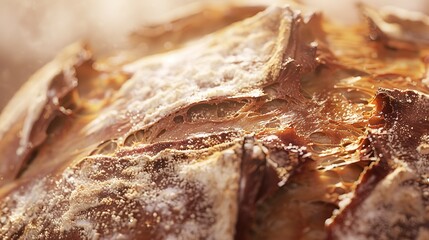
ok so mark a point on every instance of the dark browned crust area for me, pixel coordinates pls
(263, 174)
(398, 142)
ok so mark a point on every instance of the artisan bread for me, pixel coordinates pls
(277, 125)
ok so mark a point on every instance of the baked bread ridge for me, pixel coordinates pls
(88, 194)
(39, 98)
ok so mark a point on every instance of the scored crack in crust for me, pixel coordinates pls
(272, 127)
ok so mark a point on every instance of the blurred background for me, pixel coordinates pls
(33, 31)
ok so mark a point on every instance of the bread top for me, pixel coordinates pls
(243, 64)
(272, 119)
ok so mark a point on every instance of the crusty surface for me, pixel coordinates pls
(135, 175)
(391, 201)
(279, 126)
(170, 194)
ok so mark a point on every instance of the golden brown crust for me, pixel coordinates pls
(133, 154)
(263, 129)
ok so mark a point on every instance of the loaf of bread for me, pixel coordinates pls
(274, 123)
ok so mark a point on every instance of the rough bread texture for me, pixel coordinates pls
(391, 200)
(132, 176)
(171, 194)
(281, 125)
